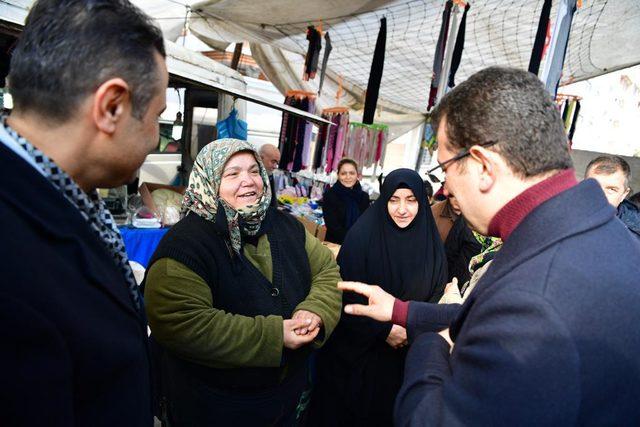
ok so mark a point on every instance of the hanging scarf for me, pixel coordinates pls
(439, 54)
(201, 196)
(458, 48)
(90, 206)
(375, 75)
(323, 70)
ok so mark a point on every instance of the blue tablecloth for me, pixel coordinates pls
(140, 243)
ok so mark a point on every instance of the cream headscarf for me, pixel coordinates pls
(202, 197)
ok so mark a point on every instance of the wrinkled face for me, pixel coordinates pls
(241, 183)
(271, 159)
(403, 207)
(348, 175)
(137, 138)
(613, 186)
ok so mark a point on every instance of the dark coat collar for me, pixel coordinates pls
(629, 214)
(35, 199)
(578, 209)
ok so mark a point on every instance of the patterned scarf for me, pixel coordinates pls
(490, 246)
(90, 206)
(202, 197)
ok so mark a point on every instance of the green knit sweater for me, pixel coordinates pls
(180, 310)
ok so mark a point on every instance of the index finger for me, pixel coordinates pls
(360, 288)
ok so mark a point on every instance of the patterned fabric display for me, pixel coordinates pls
(91, 207)
(202, 198)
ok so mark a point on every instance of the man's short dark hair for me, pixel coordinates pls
(607, 165)
(428, 189)
(511, 108)
(70, 47)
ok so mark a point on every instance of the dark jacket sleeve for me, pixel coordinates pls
(36, 369)
(334, 217)
(428, 317)
(514, 363)
(460, 247)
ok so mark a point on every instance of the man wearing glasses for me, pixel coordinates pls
(614, 174)
(548, 335)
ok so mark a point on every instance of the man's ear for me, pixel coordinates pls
(487, 161)
(109, 103)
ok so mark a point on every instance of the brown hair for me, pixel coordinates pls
(347, 161)
(511, 108)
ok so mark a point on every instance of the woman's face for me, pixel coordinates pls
(348, 175)
(241, 183)
(403, 207)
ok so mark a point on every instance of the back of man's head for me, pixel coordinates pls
(512, 109)
(69, 47)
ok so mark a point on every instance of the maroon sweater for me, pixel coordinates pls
(508, 218)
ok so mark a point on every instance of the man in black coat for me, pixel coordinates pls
(544, 337)
(270, 156)
(88, 81)
(614, 175)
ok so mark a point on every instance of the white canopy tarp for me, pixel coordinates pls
(605, 36)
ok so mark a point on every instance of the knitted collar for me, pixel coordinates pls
(514, 212)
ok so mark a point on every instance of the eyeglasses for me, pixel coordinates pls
(461, 155)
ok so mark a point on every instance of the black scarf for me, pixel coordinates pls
(351, 197)
(409, 263)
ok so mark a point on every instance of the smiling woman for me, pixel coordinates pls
(343, 203)
(395, 244)
(241, 184)
(237, 294)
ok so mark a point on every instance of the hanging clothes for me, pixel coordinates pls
(558, 48)
(232, 127)
(375, 76)
(313, 53)
(366, 143)
(439, 54)
(325, 59)
(458, 48)
(541, 35)
(567, 114)
(572, 129)
(331, 141)
(565, 110)
(295, 133)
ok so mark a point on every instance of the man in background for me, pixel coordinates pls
(88, 80)
(270, 158)
(614, 175)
